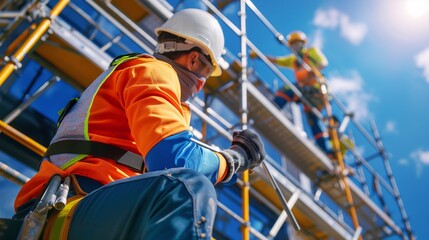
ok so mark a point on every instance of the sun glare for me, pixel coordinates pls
(417, 8)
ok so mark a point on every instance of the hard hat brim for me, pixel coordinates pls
(217, 72)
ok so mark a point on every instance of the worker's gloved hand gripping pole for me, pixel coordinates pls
(247, 152)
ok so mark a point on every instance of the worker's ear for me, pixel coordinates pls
(192, 60)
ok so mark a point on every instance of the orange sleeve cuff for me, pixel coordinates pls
(223, 168)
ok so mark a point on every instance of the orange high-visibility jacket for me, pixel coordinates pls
(136, 106)
(311, 56)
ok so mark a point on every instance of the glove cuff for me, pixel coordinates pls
(234, 161)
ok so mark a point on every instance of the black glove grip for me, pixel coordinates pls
(246, 152)
(251, 144)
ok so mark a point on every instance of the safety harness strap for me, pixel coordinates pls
(97, 149)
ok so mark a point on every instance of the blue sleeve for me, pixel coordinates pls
(179, 151)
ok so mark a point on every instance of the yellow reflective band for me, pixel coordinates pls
(58, 226)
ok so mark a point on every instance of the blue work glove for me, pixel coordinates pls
(246, 152)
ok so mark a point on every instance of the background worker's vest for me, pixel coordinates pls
(307, 81)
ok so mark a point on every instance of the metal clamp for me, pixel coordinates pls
(13, 60)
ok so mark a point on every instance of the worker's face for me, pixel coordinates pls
(297, 45)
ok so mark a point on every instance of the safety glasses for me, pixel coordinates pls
(204, 59)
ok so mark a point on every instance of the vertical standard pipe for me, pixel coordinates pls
(244, 120)
(28, 44)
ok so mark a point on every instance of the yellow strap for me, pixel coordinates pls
(59, 223)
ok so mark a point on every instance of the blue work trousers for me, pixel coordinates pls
(169, 204)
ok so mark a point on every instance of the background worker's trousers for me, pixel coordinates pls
(169, 204)
(286, 95)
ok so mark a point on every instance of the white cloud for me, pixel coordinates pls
(354, 32)
(422, 61)
(327, 18)
(421, 158)
(403, 161)
(391, 127)
(350, 90)
(421, 155)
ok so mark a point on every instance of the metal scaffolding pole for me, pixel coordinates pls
(244, 120)
(13, 175)
(18, 110)
(392, 182)
(35, 36)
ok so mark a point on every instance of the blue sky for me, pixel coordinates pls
(378, 54)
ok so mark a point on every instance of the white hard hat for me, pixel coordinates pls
(199, 28)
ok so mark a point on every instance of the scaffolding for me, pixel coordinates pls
(64, 36)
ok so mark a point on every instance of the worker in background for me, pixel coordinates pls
(126, 145)
(306, 83)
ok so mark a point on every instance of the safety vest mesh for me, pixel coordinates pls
(75, 124)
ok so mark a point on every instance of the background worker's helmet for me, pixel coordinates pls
(296, 36)
(199, 28)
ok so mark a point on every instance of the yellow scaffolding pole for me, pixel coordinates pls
(31, 40)
(22, 138)
(333, 134)
(245, 207)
